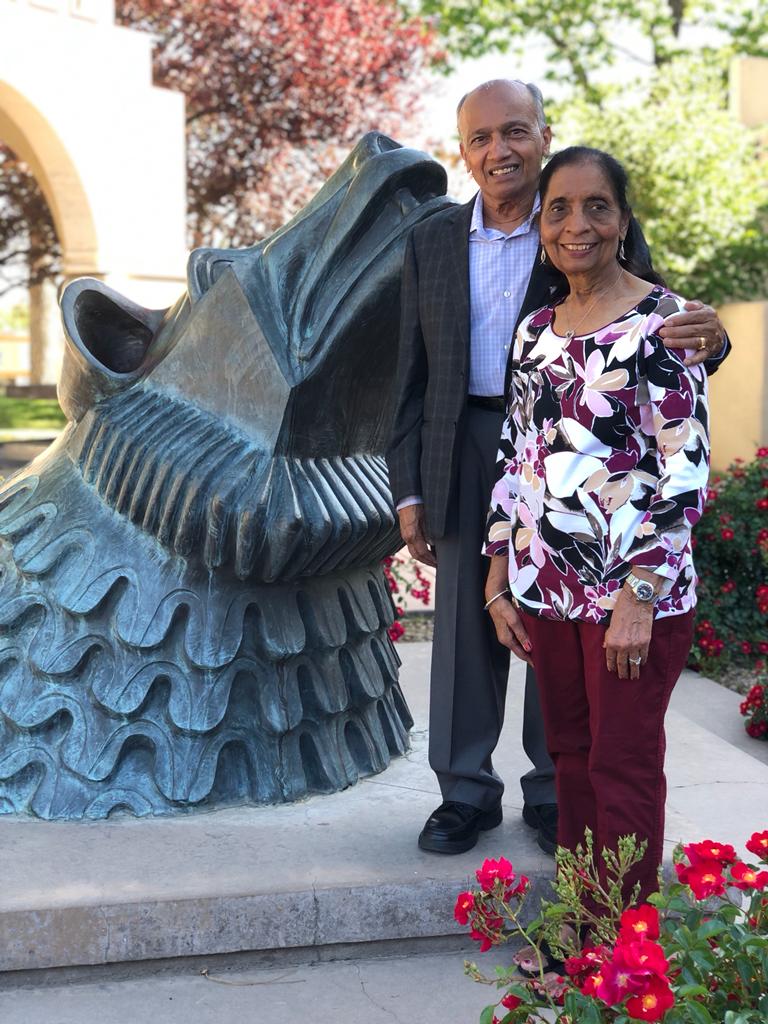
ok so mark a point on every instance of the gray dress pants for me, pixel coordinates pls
(469, 666)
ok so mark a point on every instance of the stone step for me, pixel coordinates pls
(327, 872)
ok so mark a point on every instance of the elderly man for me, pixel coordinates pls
(471, 273)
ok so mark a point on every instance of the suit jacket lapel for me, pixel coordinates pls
(458, 249)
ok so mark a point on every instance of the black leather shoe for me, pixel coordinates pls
(543, 817)
(455, 827)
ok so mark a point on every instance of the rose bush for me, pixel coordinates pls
(731, 556)
(696, 953)
(404, 576)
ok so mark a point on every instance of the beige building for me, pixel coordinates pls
(739, 391)
(107, 147)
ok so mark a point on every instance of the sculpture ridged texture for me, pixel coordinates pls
(192, 610)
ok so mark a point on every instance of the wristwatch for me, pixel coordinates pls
(642, 589)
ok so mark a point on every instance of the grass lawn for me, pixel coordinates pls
(30, 414)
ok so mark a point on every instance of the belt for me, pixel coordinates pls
(493, 403)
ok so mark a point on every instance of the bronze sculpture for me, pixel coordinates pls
(191, 609)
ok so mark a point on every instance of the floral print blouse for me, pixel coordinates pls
(603, 464)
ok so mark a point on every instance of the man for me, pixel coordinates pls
(471, 273)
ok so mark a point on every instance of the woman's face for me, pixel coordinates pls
(581, 222)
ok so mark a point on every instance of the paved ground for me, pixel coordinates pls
(424, 989)
(355, 850)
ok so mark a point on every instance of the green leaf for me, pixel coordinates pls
(684, 991)
(698, 1014)
(710, 928)
(486, 1017)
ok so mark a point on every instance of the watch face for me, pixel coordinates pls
(644, 591)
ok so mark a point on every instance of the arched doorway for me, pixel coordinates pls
(106, 147)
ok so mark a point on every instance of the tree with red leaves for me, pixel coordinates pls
(276, 92)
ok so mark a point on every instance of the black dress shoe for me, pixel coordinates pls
(543, 817)
(455, 827)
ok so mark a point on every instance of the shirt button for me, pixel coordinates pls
(507, 293)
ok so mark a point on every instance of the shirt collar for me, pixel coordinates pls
(478, 229)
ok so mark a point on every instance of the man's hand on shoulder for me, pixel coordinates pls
(413, 532)
(699, 328)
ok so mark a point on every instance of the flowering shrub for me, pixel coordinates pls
(696, 953)
(731, 555)
(404, 575)
(755, 709)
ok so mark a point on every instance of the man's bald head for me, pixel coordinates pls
(527, 91)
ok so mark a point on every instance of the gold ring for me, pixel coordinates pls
(702, 343)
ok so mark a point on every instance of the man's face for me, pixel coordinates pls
(501, 141)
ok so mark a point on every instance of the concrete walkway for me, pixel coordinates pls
(334, 876)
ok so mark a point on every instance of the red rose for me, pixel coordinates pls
(762, 504)
(762, 453)
(465, 904)
(510, 1001)
(703, 879)
(642, 923)
(493, 869)
(489, 934)
(758, 844)
(727, 533)
(745, 877)
(643, 957)
(746, 646)
(709, 850)
(617, 982)
(395, 631)
(592, 957)
(653, 1003)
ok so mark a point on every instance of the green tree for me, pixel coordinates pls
(699, 188)
(584, 37)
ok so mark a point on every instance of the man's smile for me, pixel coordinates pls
(499, 172)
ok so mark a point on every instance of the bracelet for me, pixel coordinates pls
(495, 597)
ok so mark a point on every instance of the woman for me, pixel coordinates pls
(602, 473)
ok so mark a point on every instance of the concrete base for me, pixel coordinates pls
(334, 869)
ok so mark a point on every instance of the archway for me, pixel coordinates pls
(106, 147)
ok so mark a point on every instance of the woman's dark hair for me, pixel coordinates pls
(637, 256)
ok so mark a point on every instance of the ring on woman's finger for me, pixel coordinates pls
(702, 343)
(635, 661)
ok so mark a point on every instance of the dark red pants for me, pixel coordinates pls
(606, 735)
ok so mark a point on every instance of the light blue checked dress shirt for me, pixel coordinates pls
(499, 269)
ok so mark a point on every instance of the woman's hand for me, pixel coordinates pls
(628, 636)
(510, 630)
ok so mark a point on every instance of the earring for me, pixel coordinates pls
(543, 256)
(622, 257)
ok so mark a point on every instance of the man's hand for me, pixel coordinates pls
(699, 329)
(413, 533)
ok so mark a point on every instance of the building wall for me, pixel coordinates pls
(739, 390)
(77, 101)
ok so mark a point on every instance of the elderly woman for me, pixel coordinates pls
(602, 473)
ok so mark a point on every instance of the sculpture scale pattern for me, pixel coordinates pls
(192, 611)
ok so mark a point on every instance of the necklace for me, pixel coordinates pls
(571, 332)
